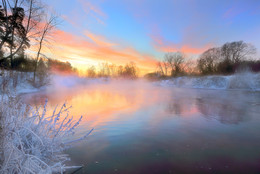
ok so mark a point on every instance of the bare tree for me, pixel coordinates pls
(113, 70)
(168, 59)
(104, 70)
(45, 35)
(160, 68)
(175, 61)
(226, 58)
(209, 60)
(189, 66)
(18, 18)
(166, 67)
(237, 51)
(129, 71)
(91, 72)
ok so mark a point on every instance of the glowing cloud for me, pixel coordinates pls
(232, 12)
(162, 45)
(94, 11)
(99, 40)
(83, 53)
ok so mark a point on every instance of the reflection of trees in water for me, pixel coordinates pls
(181, 102)
(36, 99)
(175, 107)
(226, 107)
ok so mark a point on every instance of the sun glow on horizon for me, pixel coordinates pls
(95, 32)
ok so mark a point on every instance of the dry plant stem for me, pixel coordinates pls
(32, 141)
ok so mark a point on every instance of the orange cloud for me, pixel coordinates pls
(91, 50)
(100, 102)
(93, 10)
(162, 45)
(232, 12)
(185, 49)
(99, 40)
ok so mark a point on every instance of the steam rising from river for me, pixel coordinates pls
(74, 85)
(244, 81)
(100, 100)
(136, 117)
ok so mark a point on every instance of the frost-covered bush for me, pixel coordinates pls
(31, 140)
(244, 80)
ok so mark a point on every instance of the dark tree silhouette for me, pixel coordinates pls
(225, 59)
(173, 62)
(49, 26)
(208, 61)
(237, 51)
(18, 18)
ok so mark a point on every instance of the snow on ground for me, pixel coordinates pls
(17, 82)
(27, 146)
(32, 141)
(244, 81)
(21, 82)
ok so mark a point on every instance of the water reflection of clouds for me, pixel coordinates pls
(227, 107)
(135, 122)
(101, 103)
(181, 103)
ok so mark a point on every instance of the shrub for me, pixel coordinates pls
(33, 142)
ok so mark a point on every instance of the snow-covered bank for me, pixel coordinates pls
(244, 81)
(20, 82)
(70, 81)
(31, 140)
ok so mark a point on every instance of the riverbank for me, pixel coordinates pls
(32, 139)
(21, 83)
(17, 82)
(241, 81)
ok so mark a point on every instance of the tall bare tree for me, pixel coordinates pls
(226, 58)
(18, 19)
(175, 61)
(209, 60)
(45, 34)
(160, 68)
(237, 51)
(163, 67)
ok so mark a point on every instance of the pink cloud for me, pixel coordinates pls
(94, 11)
(82, 52)
(99, 40)
(232, 12)
(162, 45)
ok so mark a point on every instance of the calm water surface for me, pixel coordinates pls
(143, 128)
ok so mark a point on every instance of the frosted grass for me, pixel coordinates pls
(31, 140)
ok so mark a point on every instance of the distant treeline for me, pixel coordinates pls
(227, 59)
(26, 23)
(22, 24)
(27, 64)
(129, 71)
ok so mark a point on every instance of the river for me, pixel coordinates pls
(140, 127)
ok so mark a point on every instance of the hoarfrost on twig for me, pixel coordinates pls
(33, 142)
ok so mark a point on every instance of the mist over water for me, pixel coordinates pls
(242, 81)
(143, 127)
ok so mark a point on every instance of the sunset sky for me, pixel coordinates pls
(142, 31)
